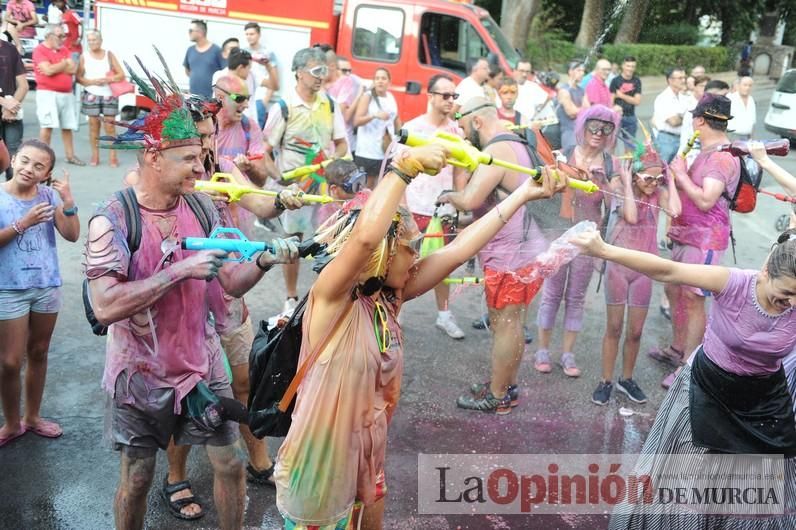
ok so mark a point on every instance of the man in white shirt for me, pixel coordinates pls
(531, 97)
(264, 70)
(744, 111)
(472, 85)
(667, 116)
(421, 195)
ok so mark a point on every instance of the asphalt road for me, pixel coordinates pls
(69, 483)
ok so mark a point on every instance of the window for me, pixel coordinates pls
(449, 42)
(511, 55)
(378, 32)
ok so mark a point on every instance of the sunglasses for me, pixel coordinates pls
(596, 127)
(446, 95)
(346, 71)
(355, 182)
(460, 115)
(237, 98)
(318, 72)
(649, 179)
(380, 328)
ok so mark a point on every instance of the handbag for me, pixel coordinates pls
(118, 88)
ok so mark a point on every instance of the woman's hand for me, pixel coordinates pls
(590, 243)
(40, 213)
(626, 172)
(758, 151)
(63, 189)
(383, 115)
(552, 182)
(431, 156)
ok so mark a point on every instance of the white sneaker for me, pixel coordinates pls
(449, 326)
(290, 306)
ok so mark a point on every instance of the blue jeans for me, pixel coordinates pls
(667, 145)
(11, 133)
(629, 124)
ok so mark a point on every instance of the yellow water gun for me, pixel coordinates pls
(471, 280)
(223, 183)
(690, 144)
(466, 156)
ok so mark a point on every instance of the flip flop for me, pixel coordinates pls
(666, 355)
(5, 440)
(44, 428)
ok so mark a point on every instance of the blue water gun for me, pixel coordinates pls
(241, 245)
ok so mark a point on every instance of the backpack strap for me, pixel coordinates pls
(517, 118)
(201, 207)
(331, 102)
(284, 109)
(244, 122)
(290, 393)
(132, 217)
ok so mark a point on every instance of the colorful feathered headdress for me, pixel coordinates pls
(645, 156)
(168, 124)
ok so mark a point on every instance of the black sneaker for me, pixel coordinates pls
(479, 390)
(481, 322)
(602, 394)
(528, 335)
(631, 390)
(487, 403)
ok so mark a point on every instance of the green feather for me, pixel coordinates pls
(179, 125)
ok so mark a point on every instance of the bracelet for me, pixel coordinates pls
(403, 176)
(17, 229)
(278, 204)
(500, 215)
(265, 268)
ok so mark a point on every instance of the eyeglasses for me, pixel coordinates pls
(446, 95)
(318, 72)
(346, 71)
(355, 181)
(380, 328)
(237, 98)
(59, 36)
(595, 127)
(650, 179)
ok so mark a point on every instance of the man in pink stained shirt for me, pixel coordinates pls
(597, 90)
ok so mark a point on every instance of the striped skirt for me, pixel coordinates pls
(671, 434)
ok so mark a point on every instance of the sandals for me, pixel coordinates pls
(567, 363)
(75, 161)
(5, 440)
(44, 428)
(176, 506)
(260, 477)
(667, 355)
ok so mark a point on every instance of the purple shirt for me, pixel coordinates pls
(643, 235)
(741, 338)
(513, 247)
(707, 230)
(166, 343)
(30, 260)
(598, 92)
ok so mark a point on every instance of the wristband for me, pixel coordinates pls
(265, 268)
(403, 176)
(407, 165)
(278, 204)
(69, 212)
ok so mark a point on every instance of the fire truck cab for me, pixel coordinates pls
(413, 39)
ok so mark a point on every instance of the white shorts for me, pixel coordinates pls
(56, 110)
(301, 221)
(18, 303)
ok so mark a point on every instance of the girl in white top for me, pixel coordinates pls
(376, 114)
(98, 68)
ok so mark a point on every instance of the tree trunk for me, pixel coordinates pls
(630, 29)
(591, 23)
(515, 21)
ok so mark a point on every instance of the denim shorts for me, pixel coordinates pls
(19, 302)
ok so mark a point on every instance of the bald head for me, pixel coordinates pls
(602, 69)
(231, 83)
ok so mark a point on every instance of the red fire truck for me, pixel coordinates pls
(414, 39)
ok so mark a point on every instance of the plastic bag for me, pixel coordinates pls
(561, 251)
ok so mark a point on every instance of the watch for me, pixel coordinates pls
(69, 212)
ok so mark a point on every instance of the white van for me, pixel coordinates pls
(781, 116)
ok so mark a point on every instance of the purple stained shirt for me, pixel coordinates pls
(644, 234)
(166, 342)
(29, 260)
(741, 337)
(708, 230)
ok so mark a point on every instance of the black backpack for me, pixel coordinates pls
(202, 209)
(273, 363)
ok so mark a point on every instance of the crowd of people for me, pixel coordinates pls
(179, 327)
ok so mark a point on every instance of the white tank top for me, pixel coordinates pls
(369, 136)
(95, 69)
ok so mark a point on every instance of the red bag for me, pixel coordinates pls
(118, 88)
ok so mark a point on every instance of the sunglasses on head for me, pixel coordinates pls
(460, 115)
(355, 182)
(649, 179)
(319, 71)
(446, 95)
(595, 127)
(237, 98)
